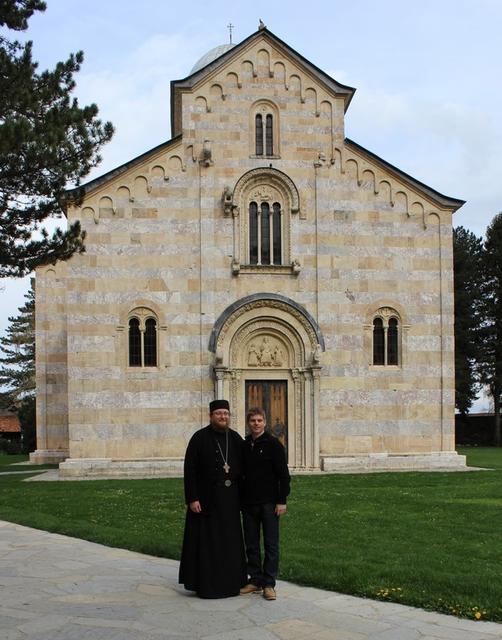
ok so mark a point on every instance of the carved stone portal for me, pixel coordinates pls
(270, 341)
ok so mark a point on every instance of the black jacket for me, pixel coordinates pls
(203, 465)
(266, 474)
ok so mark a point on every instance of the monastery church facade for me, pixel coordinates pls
(259, 256)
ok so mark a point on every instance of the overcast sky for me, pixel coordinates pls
(428, 76)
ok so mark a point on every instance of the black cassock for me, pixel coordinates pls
(212, 558)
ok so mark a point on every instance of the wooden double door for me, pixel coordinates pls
(272, 397)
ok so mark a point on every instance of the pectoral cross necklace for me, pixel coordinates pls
(226, 467)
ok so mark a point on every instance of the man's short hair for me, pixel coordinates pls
(255, 411)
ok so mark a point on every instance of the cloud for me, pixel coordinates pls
(136, 96)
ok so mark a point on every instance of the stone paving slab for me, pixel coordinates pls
(58, 588)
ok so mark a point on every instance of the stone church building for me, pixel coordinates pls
(259, 256)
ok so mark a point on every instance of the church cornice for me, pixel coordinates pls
(76, 195)
(439, 199)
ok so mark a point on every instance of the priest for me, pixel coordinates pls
(213, 561)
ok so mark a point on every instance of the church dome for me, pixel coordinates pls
(212, 55)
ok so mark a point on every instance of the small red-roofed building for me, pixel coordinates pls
(10, 428)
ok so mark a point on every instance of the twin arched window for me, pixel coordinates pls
(264, 134)
(265, 233)
(264, 129)
(142, 339)
(386, 341)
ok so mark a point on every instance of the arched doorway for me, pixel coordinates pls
(267, 350)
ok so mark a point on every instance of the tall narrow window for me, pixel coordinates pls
(392, 342)
(265, 234)
(134, 343)
(253, 233)
(378, 342)
(277, 233)
(259, 134)
(269, 135)
(150, 343)
(142, 338)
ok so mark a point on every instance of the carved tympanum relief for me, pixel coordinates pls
(387, 312)
(264, 193)
(265, 352)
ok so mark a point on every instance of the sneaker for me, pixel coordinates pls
(269, 593)
(249, 588)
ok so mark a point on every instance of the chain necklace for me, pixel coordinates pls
(226, 466)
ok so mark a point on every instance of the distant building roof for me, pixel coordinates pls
(478, 414)
(9, 423)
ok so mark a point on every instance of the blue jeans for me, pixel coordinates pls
(257, 517)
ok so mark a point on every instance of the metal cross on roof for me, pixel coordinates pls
(230, 26)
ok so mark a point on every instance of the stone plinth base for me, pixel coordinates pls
(48, 456)
(79, 468)
(438, 461)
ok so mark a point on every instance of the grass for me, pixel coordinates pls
(487, 457)
(7, 460)
(426, 539)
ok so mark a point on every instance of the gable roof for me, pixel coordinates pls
(436, 196)
(185, 84)
(179, 86)
(75, 195)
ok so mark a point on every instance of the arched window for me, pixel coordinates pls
(259, 134)
(265, 203)
(392, 344)
(134, 343)
(142, 338)
(386, 338)
(269, 135)
(150, 343)
(265, 234)
(378, 342)
(264, 123)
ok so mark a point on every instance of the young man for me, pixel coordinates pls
(265, 490)
(212, 559)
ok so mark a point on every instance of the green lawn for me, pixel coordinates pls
(6, 462)
(488, 457)
(425, 539)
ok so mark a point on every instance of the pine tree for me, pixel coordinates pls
(491, 359)
(17, 355)
(467, 268)
(47, 142)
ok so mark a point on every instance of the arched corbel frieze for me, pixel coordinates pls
(233, 80)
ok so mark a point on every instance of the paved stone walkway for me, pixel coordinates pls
(58, 588)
